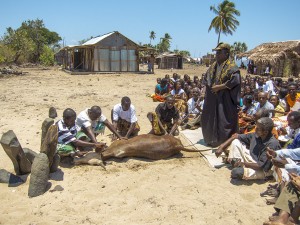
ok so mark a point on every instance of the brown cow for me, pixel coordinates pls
(144, 146)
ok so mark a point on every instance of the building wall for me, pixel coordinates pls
(116, 54)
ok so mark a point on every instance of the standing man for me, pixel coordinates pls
(222, 98)
(124, 119)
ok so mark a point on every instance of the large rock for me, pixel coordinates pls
(39, 175)
(9, 178)
(50, 143)
(13, 149)
(30, 155)
(45, 126)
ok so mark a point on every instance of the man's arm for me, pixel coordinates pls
(130, 130)
(91, 134)
(175, 125)
(112, 128)
(225, 145)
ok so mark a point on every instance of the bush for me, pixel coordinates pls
(47, 57)
(6, 54)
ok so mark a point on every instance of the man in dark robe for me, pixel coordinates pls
(222, 98)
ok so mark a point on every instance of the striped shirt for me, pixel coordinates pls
(66, 135)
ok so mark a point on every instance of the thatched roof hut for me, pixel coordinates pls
(283, 57)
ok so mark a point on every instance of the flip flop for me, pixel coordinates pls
(273, 192)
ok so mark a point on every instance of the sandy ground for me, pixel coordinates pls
(181, 190)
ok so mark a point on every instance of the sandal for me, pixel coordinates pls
(271, 201)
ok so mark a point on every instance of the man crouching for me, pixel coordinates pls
(68, 141)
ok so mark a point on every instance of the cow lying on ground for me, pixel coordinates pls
(147, 146)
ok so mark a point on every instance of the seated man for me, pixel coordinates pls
(287, 204)
(263, 103)
(91, 122)
(124, 118)
(247, 152)
(67, 136)
(165, 119)
(195, 106)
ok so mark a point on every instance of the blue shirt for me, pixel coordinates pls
(295, 143)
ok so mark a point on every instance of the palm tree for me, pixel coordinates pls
(152, 36)
(225, 21)
(238, 47)
(164, 44)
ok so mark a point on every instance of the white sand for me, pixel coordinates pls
(181, 190)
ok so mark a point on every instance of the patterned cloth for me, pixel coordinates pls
(220, 110)
(155, 125)
(123, 127)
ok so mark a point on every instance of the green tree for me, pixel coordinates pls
(238, 47)
(28, 41)
(165, 43)
(84, 40)
(152, 36)
(40, 36)
(184, 53)
(225, 22)
(19, 43)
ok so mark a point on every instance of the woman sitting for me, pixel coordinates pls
(161, 91)
(278, 109)
(246, 114)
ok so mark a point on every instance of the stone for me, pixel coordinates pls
(57, 188)
(45, 126)
(50, 143)
(30, 154)
(13, 149)
(52, 113)
(9, 178)
(55, 163)
(39, 175)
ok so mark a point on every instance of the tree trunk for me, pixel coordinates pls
(219, 37)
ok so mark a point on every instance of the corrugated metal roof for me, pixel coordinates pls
(97, 39)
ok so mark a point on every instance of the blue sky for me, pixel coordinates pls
(186, 21)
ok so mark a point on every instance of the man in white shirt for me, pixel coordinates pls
(124, 118)
(92, 122)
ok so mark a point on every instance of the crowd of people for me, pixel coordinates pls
(253, 121)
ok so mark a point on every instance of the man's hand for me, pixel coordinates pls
(100, 146)
(271, 153)
(219, 151)
(217, 88)
(280, 162)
